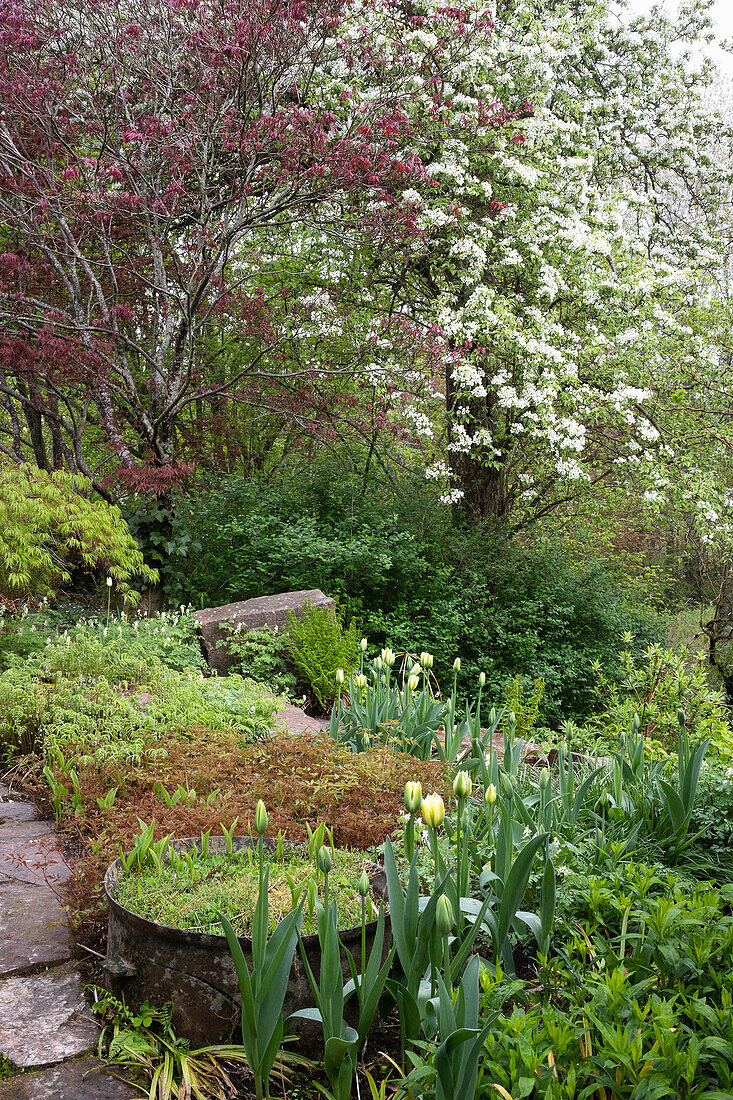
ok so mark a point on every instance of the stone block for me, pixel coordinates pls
(44, 1018)
(80, 1079)
(251, 615)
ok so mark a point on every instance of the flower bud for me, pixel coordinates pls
(482, 679)
(361, 680)
(364, 883)
(544, 780)
(261, 818)
(363, 644)
(415, 670)
(426, 660)
(490, 795)
(457, 664)
(388, 657)
(433, 811)
(444, 915)
(413, 683)
(109, 582)
(339, 676)
(462, 785)
(681, 717)
(324, 859)
(413, 797)
(507, 785)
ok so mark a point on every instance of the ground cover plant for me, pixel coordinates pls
(590, 889)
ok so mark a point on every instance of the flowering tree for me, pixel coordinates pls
(166, 169)
(565, 258)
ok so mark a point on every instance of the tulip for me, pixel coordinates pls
(261, 818)
(462, 785)
(339, 676)
(490, 796)
(426, 659)
(109, 582)
(413, 683)
(544, 779)
(413, 797)
(457, 664)
(361, 680)
(324, 859)
(388, 657)
(482, 679)
(444, 915)
(433, 811)
(364, 883)
(363, 645)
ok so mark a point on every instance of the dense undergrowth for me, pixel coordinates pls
(597, 892)
(411, 578)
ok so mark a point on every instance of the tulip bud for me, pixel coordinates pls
(364, 883)
(507, 785)
(462, 785)
(444, 915)
(324, 859)
(426, 660)
(433, 811)
(363, 644)
(415, 670)
(339, 676)
(413, 683)
(457, 664)
(388, 657)
(635, 723)
(681, 717)
(413, 797)
(490, 795)
(482, 679)
(261, 818)
(544, 780)
(361, 680)
(109, 582)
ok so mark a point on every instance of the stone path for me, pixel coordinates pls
(46, 1028)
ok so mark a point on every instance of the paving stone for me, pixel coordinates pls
(35, 842)
(45, 1019)
(17, 811)
(297, 721)
(76, 1080)
(32, 926)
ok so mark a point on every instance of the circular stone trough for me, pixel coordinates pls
(158, 963)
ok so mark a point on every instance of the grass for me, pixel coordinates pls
(191, 895)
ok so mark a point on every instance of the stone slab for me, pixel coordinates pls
(297, 721)
(32, 926)
(34, 842)
(17, 811)
(45, 1019)
(251, 615)
(80, 1079)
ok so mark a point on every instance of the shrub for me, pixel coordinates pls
(320, 645)
(262, 655)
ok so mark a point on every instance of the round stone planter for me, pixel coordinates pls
(158, 963)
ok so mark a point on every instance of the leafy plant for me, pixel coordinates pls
(262, 655)
(320, 645)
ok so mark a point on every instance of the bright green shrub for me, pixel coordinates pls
(49, 524)
(320, 645)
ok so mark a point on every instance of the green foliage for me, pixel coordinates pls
(320, 645)
(416, 582)
(522, 711)
(262, 655)
(655, 687)
(113, 701)
(49, 526)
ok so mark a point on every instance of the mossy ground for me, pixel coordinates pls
(192, 894)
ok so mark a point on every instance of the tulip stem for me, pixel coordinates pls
(410, 838)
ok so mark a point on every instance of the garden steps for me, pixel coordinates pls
(46, 1026)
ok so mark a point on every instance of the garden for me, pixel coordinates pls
(412, 322)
